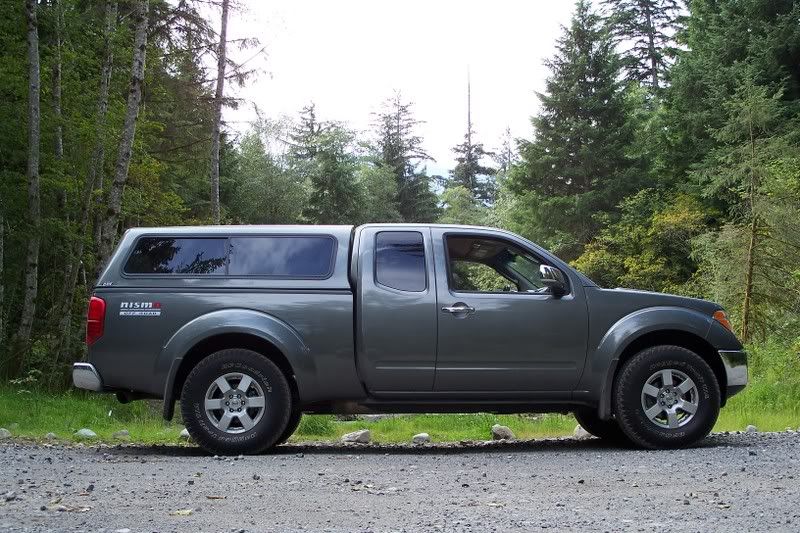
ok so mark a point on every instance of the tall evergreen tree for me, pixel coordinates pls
(302, 138)
(470, 172)
(400, 149)
(575, 169)
(756, 169)
(646, 30)
(335, 193)
(722, 41)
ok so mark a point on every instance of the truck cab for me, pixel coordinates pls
(249, 327)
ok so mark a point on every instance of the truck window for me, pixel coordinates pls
(400, 260)
(172, 255)
(478, 264)
(282, 256)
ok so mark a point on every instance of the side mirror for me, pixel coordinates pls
(553, 279)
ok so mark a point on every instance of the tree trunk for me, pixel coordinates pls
(748, 282)
(22, 339)
(114, 203)
(215, 134)
(751, 248)
(2, 285)
(98, 157)
(651, 48)
(59, 133)
(95, 169)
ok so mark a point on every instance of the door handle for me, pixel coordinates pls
(459, 309)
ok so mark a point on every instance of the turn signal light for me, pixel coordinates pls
(722, 317)
(95, 319)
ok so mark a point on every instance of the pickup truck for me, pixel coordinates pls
(249, 327)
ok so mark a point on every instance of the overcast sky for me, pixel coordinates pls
(347, 56)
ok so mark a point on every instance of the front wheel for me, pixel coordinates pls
(666, 397)
(236, 401)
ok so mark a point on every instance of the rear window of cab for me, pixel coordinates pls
(277, 256)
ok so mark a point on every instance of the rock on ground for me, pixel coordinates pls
(122, 434)
(184, 435)
(4, 433)
(580, 433)
(51, 436)
(502, 433)
(421, 438)
(85, 434)
(361, 436)
(751, 429)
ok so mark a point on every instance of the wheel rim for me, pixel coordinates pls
(235, 402)
(670, 398)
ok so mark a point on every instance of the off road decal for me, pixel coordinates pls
(140, 309)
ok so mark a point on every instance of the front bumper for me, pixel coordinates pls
(86, 376)
(735, 363)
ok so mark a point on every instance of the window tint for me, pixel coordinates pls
(491, 265)
(166, 255)
(400, 260)
(287, 257)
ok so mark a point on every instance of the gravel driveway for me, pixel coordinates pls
(736, 482)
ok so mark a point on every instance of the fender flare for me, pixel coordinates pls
(606, 358)
(240, 321)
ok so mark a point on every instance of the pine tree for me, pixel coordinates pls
(336, 197)
(469, 171)
(576, 167)
(302, 139)
(645, 29)
(400, 149)
(723, 40)
(755, 169)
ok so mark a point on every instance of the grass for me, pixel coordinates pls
(771, 402)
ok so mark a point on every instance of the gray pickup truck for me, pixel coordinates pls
(249, 327)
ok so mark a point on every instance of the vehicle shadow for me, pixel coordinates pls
(541, 446)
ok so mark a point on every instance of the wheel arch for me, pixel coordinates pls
(652, 326)
(223, 341)
(246, 329)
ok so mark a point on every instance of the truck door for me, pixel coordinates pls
(499, 327)
(395, 309)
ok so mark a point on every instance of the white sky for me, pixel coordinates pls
(347, 56)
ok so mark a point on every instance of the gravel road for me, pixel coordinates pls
(736, 482)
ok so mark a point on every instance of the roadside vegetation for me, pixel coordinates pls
(770, 403)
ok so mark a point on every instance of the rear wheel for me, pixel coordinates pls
(291, 427)
(607, 430)
(666, 397)
(236, 401)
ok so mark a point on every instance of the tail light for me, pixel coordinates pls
(95, 319)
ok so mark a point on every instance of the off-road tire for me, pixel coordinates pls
(607, 430)
(291, 427)
(628, 390)
(272, 424)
